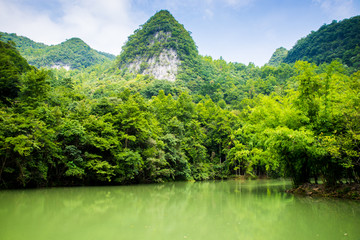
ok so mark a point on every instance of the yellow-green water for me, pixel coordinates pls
(254, 210)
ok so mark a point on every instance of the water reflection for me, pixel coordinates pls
(199, 210)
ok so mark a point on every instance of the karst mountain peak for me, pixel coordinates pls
(160, 47)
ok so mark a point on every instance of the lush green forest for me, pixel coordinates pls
(74, 53)
(103, 125)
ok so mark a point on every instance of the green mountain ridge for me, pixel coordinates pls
(163, 48)
(278, 57)
(73, 53)
(334, 41)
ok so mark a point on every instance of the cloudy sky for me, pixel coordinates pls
(238, 30)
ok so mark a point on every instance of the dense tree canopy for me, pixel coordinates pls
(99, 126)
(12, 65)
(78, 127)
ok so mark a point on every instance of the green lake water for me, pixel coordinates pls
(253, 210)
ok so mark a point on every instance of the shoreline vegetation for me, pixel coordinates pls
(343, 191)
(346, 190)
(340, 190)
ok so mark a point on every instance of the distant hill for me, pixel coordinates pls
(338, 40)
(73, 53)
(278, 57)
(161, 48)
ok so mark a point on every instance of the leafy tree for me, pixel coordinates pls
(34, 87)
(28, 151)
(12, 65)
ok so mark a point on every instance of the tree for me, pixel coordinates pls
(12, 65)
(296, 151)
(34, 87)
(28, 151)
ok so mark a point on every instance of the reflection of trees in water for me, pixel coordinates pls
(321, 218)
(202, 210)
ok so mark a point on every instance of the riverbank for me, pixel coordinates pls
(346, 191)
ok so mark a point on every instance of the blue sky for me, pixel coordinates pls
(238, 30)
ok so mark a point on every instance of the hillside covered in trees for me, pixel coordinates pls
(73, 53)
(108, 125)
(336, 41)
(278, 57)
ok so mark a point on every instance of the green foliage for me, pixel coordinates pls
(98, 126)
(304, 131)
(129, 163)
(34, 87)
(299, 121)
(28, 150)
(153, 88)
(294, 149)
(12, 65)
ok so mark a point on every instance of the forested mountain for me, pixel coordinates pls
(73, 53)
(335, 41)
(160, 47)
(112, 123)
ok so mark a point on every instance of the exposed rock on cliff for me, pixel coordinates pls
(161, 48)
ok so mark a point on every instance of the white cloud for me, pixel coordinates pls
(337, 9)
(239, 3)
(103, 24)
(208, 14)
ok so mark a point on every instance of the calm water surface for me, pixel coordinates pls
(201, 210)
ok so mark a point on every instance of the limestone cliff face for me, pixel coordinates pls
(59, 65)
(161, 48)
(164, 66)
